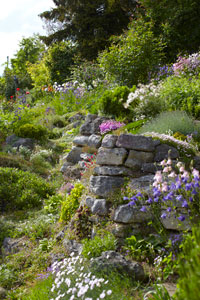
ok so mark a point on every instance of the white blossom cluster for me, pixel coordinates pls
(74, 86)
(73, 281)
(143, 92)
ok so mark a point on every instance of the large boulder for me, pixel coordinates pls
(74, 155)
(111, 261)
(81, 140)
(15, 142)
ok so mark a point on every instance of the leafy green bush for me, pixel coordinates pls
(188, 284)
(174, 121)
(182, 93)
(22, 190)
(111, 103)
(71, 203)
(132, 55)
(37, 132)
(103, 241)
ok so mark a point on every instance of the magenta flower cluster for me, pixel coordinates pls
(110, 125)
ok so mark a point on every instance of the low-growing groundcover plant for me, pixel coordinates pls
(73, 279)
(22, 190)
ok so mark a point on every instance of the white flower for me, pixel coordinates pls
(109, 292)
(102, 295)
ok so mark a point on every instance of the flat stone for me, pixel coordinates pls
(131, 214)
(90, 117)
(111, 261)
(136, 142)
(71, 171)
(115, 156)
(113, 171)
(109, 141)
(137, 158)
(81, 140)
(164, 151)
(74, 155)
(94, 141)
(104, 185)
(86, 128)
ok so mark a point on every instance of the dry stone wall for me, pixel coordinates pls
(118, 157)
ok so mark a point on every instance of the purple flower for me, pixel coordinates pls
(188, 186)
(191, 199)
(156, 199)
(185, 204)
(143, 209)
(169, 209)
(131, 203)
(169, 196)
(150, 201)
(134, 198)
(163, 216)
(139, 194)
(179, 197)
(181, 218)
(194, 192)
(125, 198)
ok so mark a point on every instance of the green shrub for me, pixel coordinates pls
(41, 290)
(132, 55)
(182, 93)
(10, 161)
(71, 203)
(174, 121)
(103, 241)
(111, 103)
(22, 190)
(37, 132)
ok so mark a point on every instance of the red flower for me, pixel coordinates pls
(18, 89)
(11, 97)
(27, 93)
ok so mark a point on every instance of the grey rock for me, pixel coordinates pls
(111, 261)
(86, 128)
(12, 246)
(16, 142)
(104, 185)
(3, 293)
(94, 141)
(74, 155)
(72, 246)
(99, 207)
(90, 117)
(56, 257)
(109, 141)
(72, 171)
(89, 201)
(96, 123)
(65, 166)
(150, 168)
(171, 222)
(113, 171)
(164, 151)
(81, 141)
(61, 234)
(142, 183)
(121, 230)
(136, 142)
(131, 214)
(141, 156)
(115, 156)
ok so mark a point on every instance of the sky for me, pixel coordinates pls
(18, 19)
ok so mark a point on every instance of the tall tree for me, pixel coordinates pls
(30, 50)
(89, 23)
(177, 21)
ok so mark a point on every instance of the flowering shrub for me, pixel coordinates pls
(110, 125)
(177, 194)
(145, 101)
(187, 65)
